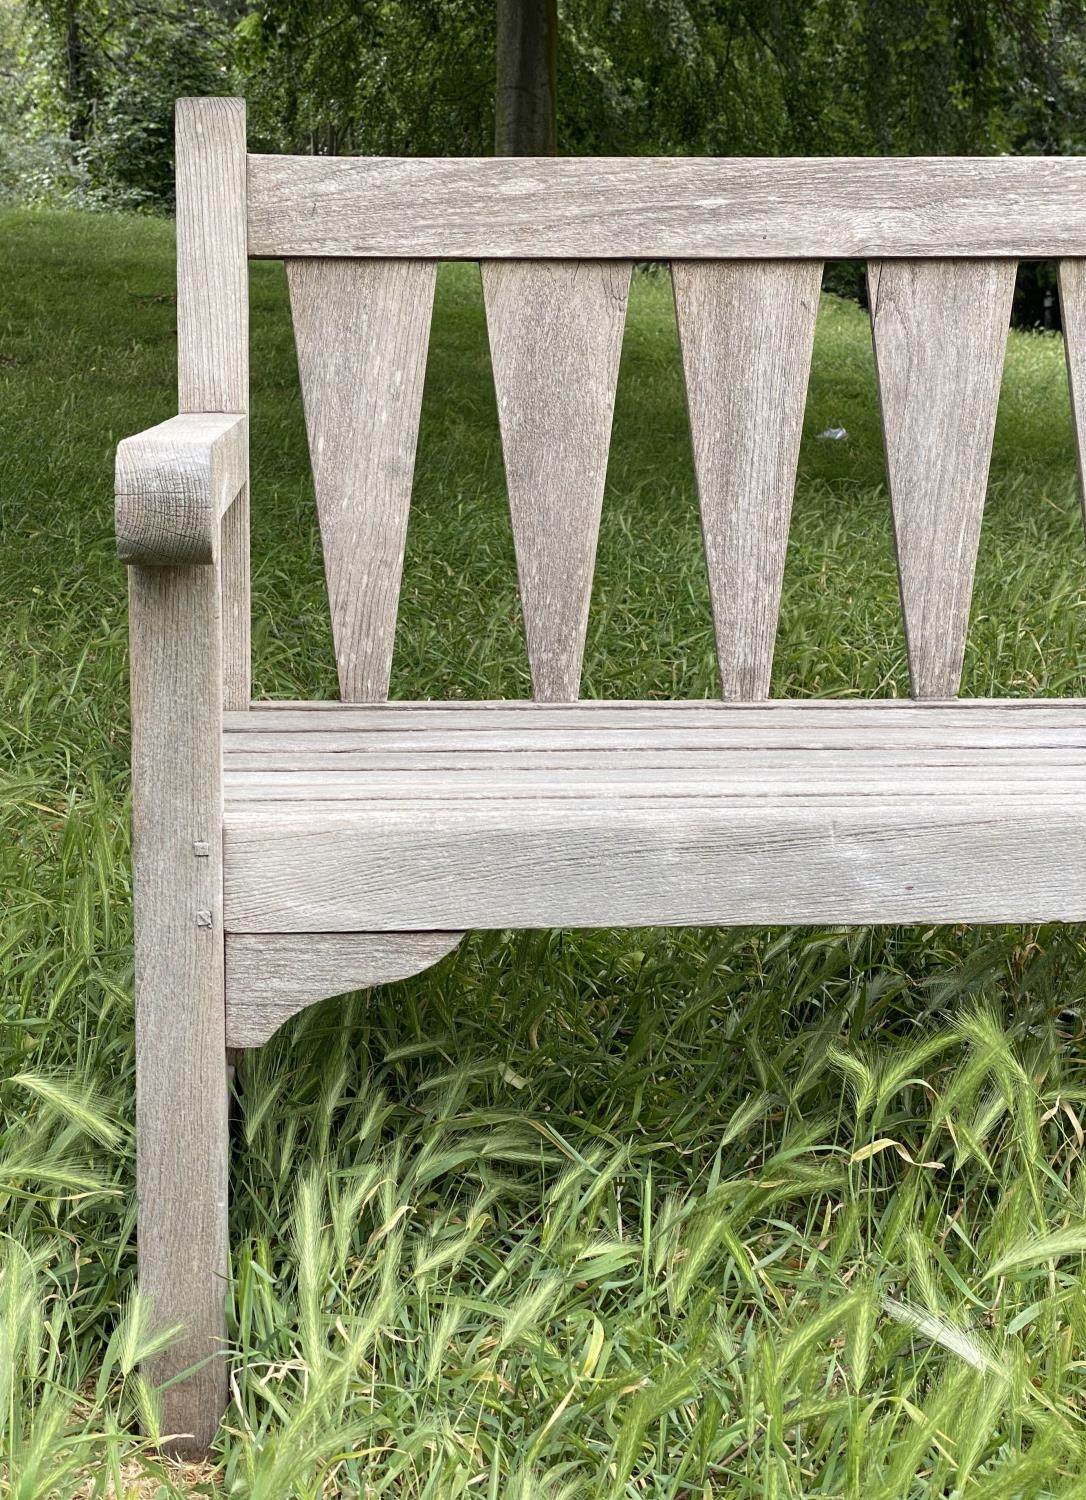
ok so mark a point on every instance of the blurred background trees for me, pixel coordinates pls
(88, 85)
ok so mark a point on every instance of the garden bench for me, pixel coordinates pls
(285, 852)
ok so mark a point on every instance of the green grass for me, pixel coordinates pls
(672, 1214)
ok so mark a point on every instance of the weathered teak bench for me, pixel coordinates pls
(287, 852)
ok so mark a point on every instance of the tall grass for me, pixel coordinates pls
(674, 1214)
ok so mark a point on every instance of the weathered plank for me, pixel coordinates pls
(361, 330)
(555, 339)
(586, 863)
(470, 730)
(213, 328)
(181, 1090)
(174, 483)
(674, 208)
(939, 329)
(270, 713)
(1072, 283)
(746, 329)
(177, 668)
(305, 788)
(272, 976)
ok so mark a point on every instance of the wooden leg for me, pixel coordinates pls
(181, 1084)
(181, 1187)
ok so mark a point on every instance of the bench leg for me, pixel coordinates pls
(181, 1080)
(182, 1227)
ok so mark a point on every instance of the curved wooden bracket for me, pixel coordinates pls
(174, 483)
(272, 976)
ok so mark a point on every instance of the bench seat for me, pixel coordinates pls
(432, 816)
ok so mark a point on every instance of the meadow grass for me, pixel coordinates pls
(684, 1213)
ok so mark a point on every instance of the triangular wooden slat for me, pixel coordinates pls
(1072, 279)
(361, 328)
(747, 330)
(940, 331)
(555, 339)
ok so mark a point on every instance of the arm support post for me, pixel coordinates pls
(174, 483)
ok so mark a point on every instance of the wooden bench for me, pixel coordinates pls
(288, 852)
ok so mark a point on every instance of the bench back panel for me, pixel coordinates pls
(746, 240)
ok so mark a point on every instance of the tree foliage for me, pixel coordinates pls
(634, 76)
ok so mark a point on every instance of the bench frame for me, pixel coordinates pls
(183, 530)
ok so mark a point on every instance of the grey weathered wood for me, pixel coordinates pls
(746, 329)
(270, 713)
(554, 753)
(648, 208)
(177, 651)
(676, 727)
(174, 483)
(1072, 282)
(939, 329)
(307, 789)
(555, 339)
(272, 976)
(361, 330)
(626, 862)
(773, 812)
(181, 1090)
(213, 326)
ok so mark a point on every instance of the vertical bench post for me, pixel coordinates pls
(184, 649)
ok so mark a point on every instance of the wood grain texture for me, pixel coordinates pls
(627, 862)
(174, 482)
(940, 330)
(181, 1089)
(272, 976)
(213, 327)
(476, 729)
(660, 813)
(555, 339)
(361, 330)
(271, 713)
(648, 208)
(746, 329)
(1072, 283)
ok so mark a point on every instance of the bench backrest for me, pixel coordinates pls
(746, 240)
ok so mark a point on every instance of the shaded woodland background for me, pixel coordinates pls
(88, 85)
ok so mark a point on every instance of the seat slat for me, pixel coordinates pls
(747, 331)
(598, 863)
(939, 329)
(696, 726)
(543, 824)
(555, 338)
(361, 329)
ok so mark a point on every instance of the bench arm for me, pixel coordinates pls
(174, 484)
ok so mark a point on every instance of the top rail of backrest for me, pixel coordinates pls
(664, 208)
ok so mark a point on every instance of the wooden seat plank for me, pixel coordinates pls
(324, 831)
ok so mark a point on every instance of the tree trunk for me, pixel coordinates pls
(527, 53)
(77, 80)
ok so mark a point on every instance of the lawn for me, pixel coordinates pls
(678, 1214)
